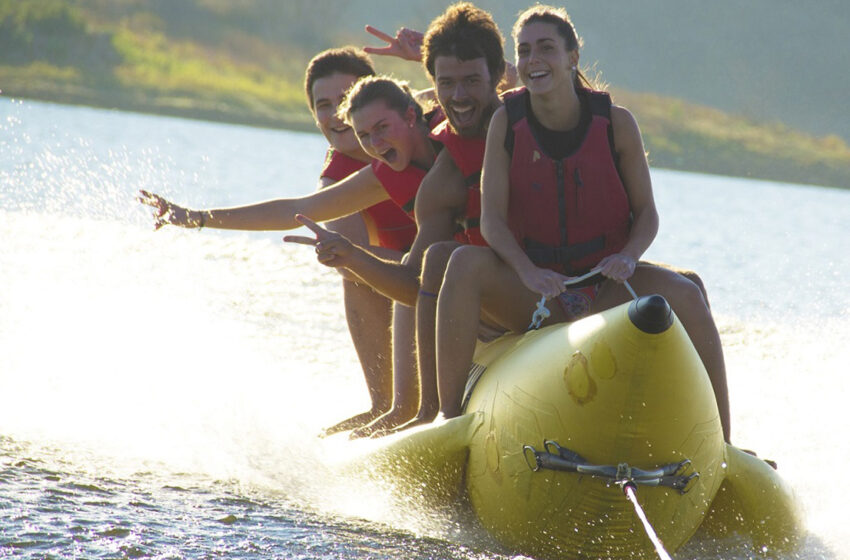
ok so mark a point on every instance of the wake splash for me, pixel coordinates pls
(218, 356)
(179, 353)
(182, 352)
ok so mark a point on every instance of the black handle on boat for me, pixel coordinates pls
(565, 460)
(570, 455)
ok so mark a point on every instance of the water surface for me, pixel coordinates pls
(160, 392)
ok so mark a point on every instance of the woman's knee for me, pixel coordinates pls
(353, 227)
(697, 280)
(434, 264)
(687, 273)
(684, 295)
(680, 291)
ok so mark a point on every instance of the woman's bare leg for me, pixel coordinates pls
(369, 315)
(406, 387)
(687, 273)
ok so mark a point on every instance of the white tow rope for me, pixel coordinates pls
(629, 490)
(541, 313)
(629, 288)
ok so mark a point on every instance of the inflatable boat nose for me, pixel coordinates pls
(651, 314)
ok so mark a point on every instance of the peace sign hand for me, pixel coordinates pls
(332, 249)
(407, 44)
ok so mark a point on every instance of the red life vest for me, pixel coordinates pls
(468, 155)
(395, 229)
(567, 214)
(403, 185)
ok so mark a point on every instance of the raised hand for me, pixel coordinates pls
(166, 212)
(332, 249)
(407, 43)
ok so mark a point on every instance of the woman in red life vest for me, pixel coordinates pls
(329, 76)
(565, 189)
(358, 191)
(393, 130)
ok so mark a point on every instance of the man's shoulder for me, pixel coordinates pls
(443, 187)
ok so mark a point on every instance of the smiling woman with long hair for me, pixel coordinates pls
(565, 190)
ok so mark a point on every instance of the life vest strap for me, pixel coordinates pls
(542, 254)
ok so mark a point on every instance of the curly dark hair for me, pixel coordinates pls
(466, 32)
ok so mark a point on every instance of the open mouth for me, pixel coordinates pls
(463, 115)
(389, 156)
(340, 129)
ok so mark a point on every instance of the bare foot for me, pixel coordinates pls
(356, 421)
(421, 418)
(387, 422)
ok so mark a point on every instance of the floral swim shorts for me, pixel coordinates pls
(575, 302)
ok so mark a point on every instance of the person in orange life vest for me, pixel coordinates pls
(360, 190)
(554, 136)
(465, 60)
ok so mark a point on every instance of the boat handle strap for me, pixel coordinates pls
(564, 460)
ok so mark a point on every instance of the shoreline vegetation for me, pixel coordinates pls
(115, 55)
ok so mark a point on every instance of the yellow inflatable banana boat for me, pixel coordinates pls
(557, 420)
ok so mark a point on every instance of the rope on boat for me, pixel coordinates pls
(629, 288)
(541, 313)
(626, 477)
(629, 489)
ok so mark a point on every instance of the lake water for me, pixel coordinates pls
(161, 392)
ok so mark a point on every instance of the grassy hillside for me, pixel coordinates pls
(690, 137)
(243, 62)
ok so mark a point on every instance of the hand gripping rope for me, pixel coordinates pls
(541, 313)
